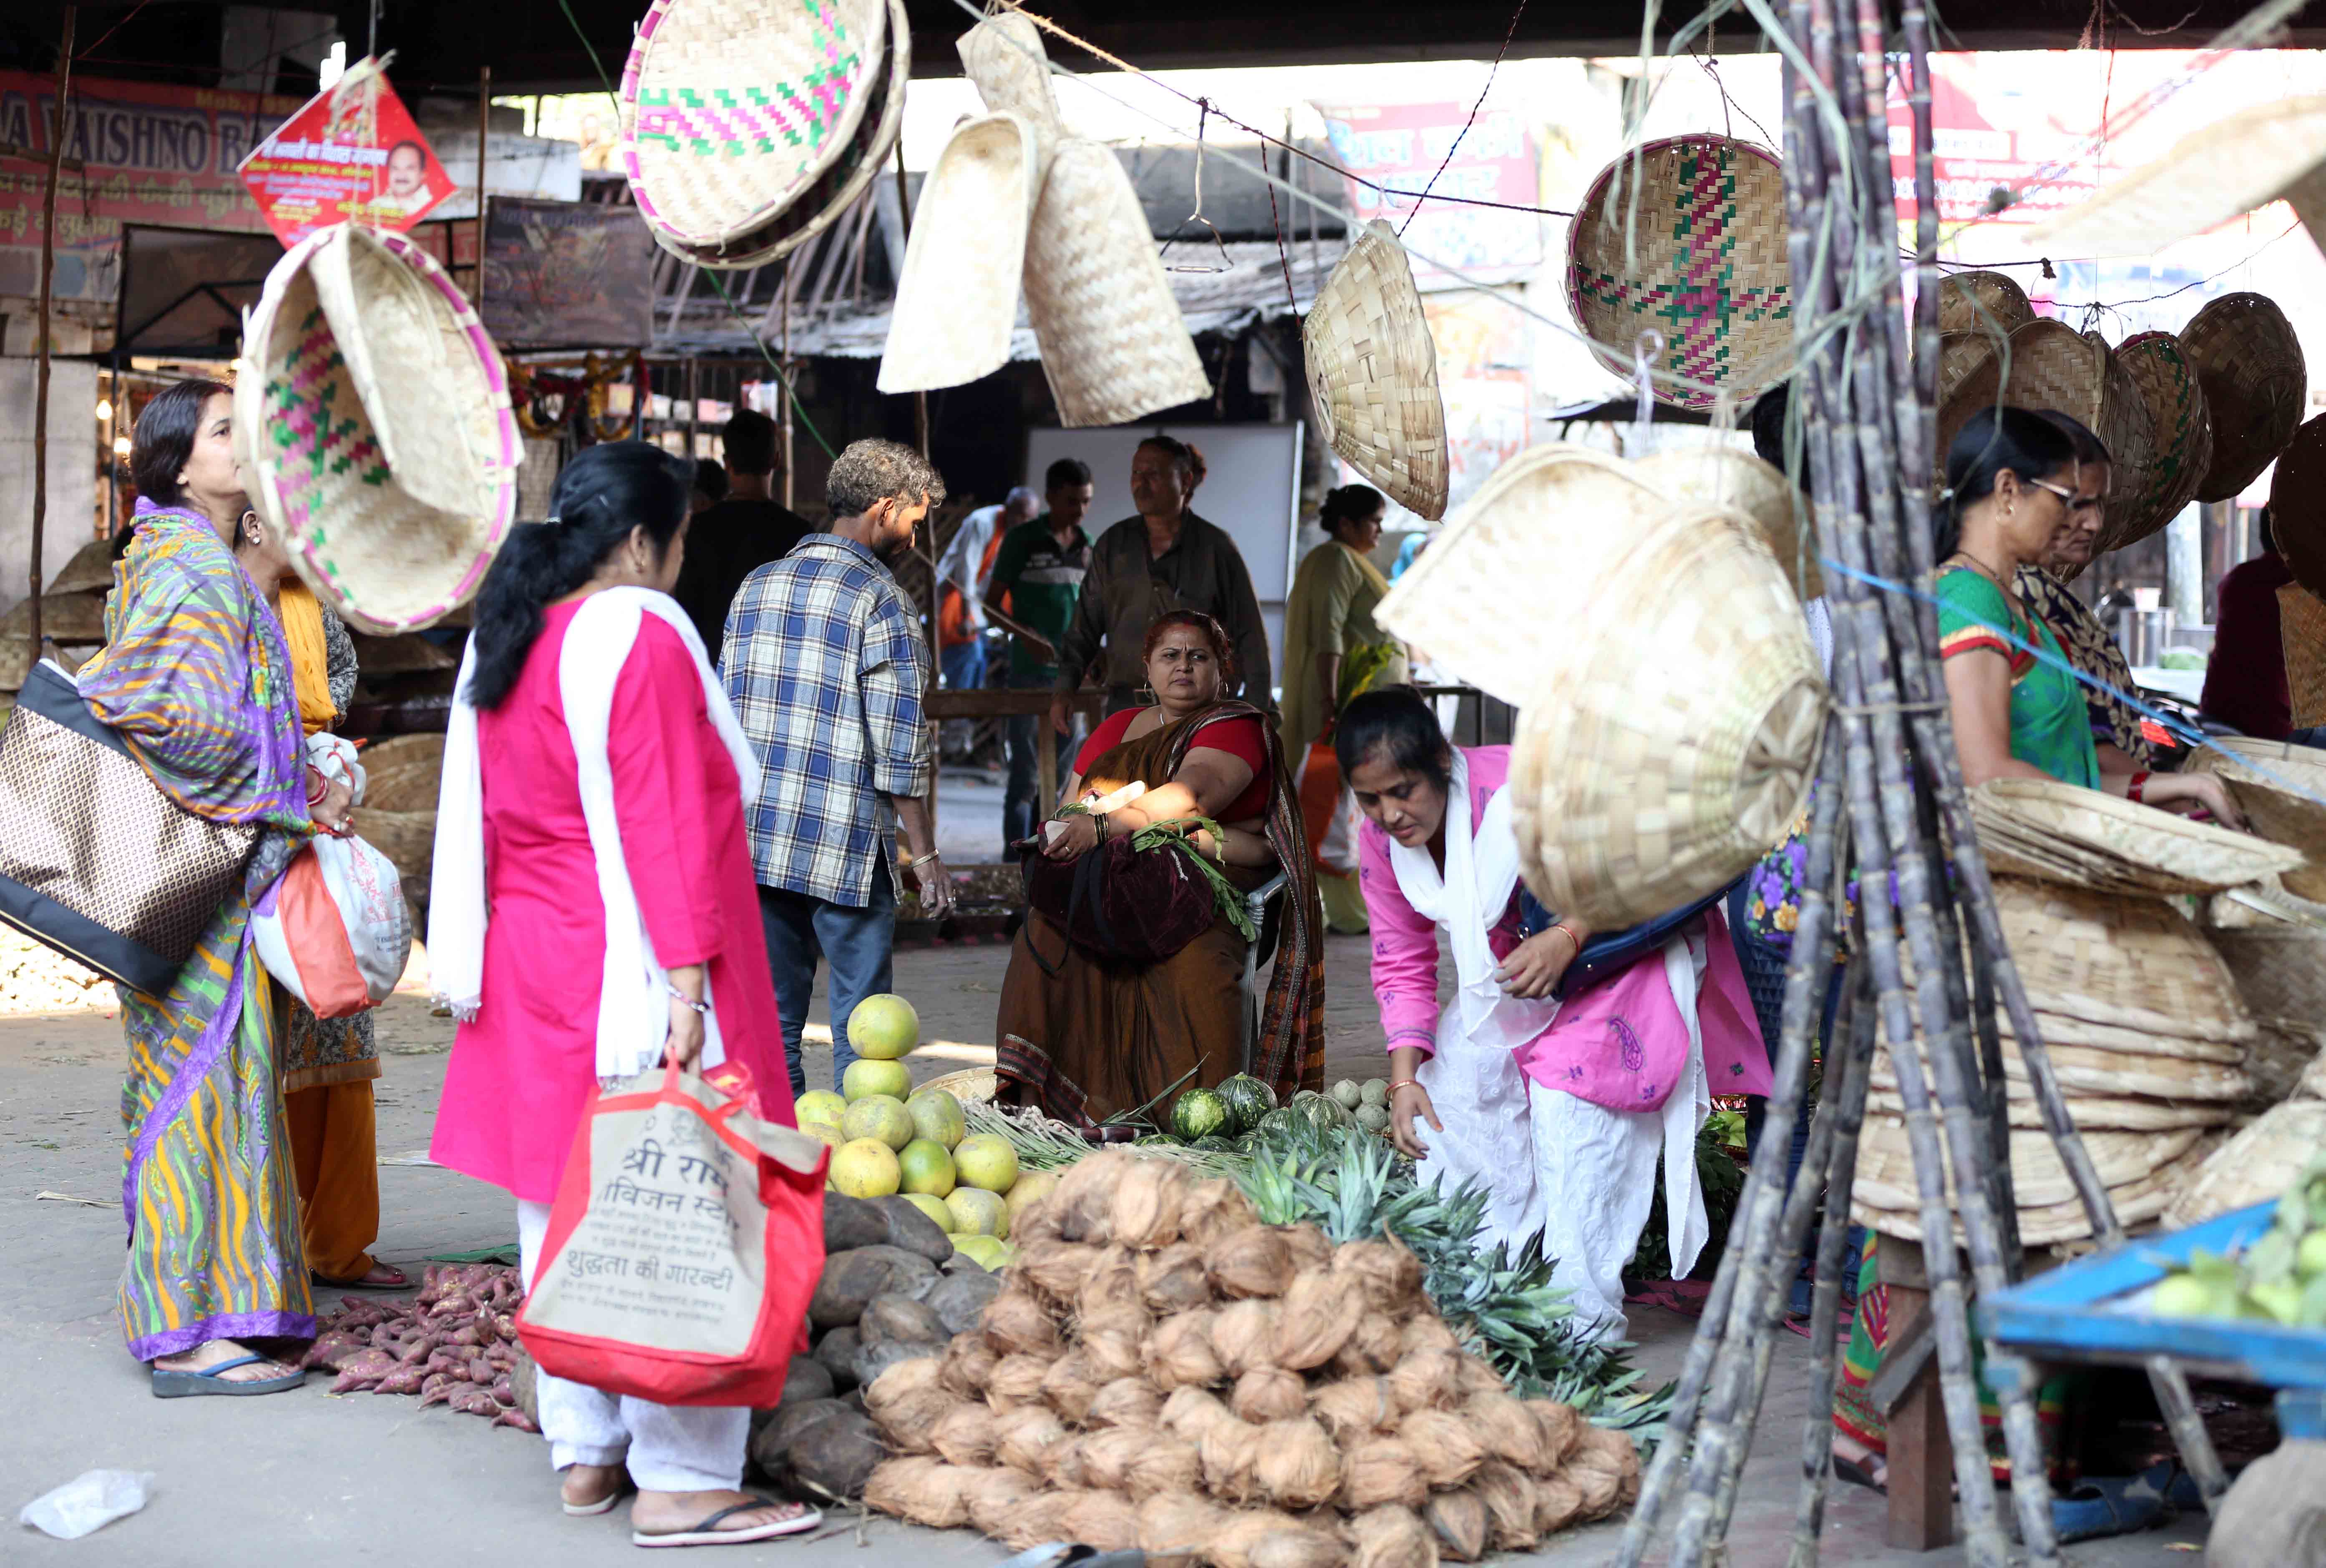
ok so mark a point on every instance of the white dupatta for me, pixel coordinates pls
(633, 1003)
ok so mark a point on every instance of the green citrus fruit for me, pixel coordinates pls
(937, 1115)
(884, 1027)
(828, 1131)
(982, 1250)
(927, 1168)
(819, 1105)
(934, 1208)
(893, 1079)
(1028, 1190)
(865, 1168)
(881, 1116)
(976, 1212)
(986, 1160)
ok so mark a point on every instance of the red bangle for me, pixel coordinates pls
(2138, 783)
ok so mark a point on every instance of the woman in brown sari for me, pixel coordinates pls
(1085, 1038)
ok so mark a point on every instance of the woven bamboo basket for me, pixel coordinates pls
(1698, 257)
(2137, 963)
(957, 303)
(2297, 504)
(2249, 363)
(372, 418)
(1114, 346)
(2131, 1113)
(732, 109)
(1724, 477)
(1373, 373)
(2181, 433)
(2138, 1198)
(2228, 168)
(2259, 1163)
(1983, 304)
(843, 182)
(2280, 814)
(2302, 634)
(2281, 975)
(967, 1083)
(1004, 55)
(1670, 739)
(1961, 354)
(1885, 1164)
(2127, 847)
(1491, 597)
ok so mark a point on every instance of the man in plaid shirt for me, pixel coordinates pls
(826, 664)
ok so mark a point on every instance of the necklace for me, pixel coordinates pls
(1984, 569)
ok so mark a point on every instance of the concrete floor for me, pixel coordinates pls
(367, 1479)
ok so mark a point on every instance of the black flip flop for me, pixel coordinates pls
(1857, 1475)
(705, 1532)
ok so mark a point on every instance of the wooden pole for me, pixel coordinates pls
(930, 556)
(484, 130)
(784, 380)
(44, 324)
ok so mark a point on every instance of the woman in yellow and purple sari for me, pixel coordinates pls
(195, 676)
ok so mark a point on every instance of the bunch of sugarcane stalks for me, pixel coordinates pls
(1890, 808)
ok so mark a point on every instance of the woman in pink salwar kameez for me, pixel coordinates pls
(1559, 1109)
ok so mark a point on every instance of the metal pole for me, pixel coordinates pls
(921, 436)
(47, 327)
(484, 129)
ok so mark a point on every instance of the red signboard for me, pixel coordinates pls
(352, 151)
(1395, 152)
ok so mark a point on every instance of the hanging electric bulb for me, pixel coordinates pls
(104, 410)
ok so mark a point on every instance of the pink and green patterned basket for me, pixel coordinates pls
(1706, 268)
(732, 109)
(392, 521)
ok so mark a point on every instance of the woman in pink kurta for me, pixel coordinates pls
(1560, 1109)
(594, 916)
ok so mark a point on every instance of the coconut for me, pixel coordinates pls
(1114, 1350)
(1021, 1437)
(1311, 1248)
(1174, 1528)
(1298, 1466)
(1085, 1192)
(1243, 1336)
(1056, 1268)
(1179, 1354)
(1252, 1261)
(1427, 1380)
(1213, 1209)
(966, 1435)
(1353, 1409)
(1070, 1385)
(1061, 1463)
(1040, 1518)
(1125, 1402)
(1475, 1375)
(1381, 1471)
(1426, 1331)
(1606, 1468)
(1145, 1213)
(1015, 1380)
(1104, 1519)
(920, 1490)
(907, 1401)
(1562, 1428)
(1321, 1310)
(1373, 1348)
(1173, 1280)
(1450, 1451)
(1458, 1519)
(1192, 1412)
(1015, 1322)
(1107, 1455)
(1558, 1503)
(1393, 1537)
(968, 1365)
(993, 1496)
(1509, 1497)
(1270, 1394)
(1112, 1281)
(1167, 1464)
(1507, 1428)
(1388, 1271)
(1267, 1538)
(1036, 1223)
(1230, 1452)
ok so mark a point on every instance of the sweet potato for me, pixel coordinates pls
(516, 1418)
(475, 1401)
(404, 1380)
(467, 1335)
(330, 1349)
(503, 1394)
(481, 1371)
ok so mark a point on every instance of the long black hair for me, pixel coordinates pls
(1991, 441)
(601, 496)
(167, 428)
(1394, 724)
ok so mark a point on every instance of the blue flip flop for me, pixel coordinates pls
(169, 1385)
(2102, 1506)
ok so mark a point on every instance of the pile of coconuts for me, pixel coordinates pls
(455, 1343)
(1161, 1371)
(893, 1290)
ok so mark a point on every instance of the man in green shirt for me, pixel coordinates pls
(1039, 572)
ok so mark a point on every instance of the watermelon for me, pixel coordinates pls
(1149, 1140)
(1284, 1116)
(1199, 1113)
(1248, 1100)
(1213, 1144)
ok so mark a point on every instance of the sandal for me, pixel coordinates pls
(184, 1384)
(621, 1488)
(1861, 1475)
(383, 1276)
(705, 1531)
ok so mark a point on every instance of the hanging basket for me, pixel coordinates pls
(2297, 506)
(732, 110)
(1699, 258)
(1982, 303)
(1373, 373)
(2249, 363)
(1724, 477)
(2301, 635)
(2181, 434)
(2218, 172)
(957, 304)
(1004, 55)
(372, 418)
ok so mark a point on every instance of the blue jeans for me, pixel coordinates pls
(1021, 806)
(963, 665)
(857, 944)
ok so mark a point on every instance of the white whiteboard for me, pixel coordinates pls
(1251, 489)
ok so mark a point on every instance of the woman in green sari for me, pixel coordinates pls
(1332, 651)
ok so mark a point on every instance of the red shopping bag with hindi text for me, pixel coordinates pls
(686, 1241)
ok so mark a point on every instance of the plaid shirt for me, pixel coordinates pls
(825, 665)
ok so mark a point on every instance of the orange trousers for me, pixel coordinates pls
(335, 1153)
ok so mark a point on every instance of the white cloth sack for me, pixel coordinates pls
(333, 929)
(633, 998)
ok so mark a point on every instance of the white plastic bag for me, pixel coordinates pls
(334, 928)
(90, 1501)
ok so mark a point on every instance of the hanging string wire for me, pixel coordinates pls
(1455, 145)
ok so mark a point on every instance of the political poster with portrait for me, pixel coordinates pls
(352, 153)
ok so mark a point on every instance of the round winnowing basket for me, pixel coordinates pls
(1740, 482)
(733, 110)
(1987, 304)
(2272, 796)
(1672, 740)
(840, 187)
(1373, 373)
(2140, 1178)
(372, 417)
(2181, 434)
(1704, 265)
(2258, 1164)
(2137, 963)
(1491, 597)
(2063, 833)
(2249, 363)
(1114, 346)
(2297, 504)
(957, 303)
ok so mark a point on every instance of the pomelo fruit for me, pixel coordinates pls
(881, 1116)
(934, 1208)
(884, 1027)
(924, 1167)
(976, 1212)
(868, 1077)
(865, 1168)
(1029, 1189)
(982, 1250)
(986, 1160)
(819, 1105)
(829, 1131)
(936, 1117)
